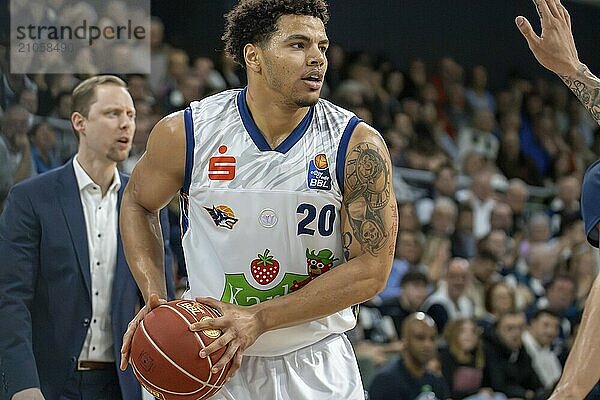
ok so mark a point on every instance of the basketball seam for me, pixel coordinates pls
(157, 348)
(210, 364)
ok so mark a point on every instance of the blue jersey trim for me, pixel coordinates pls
(257, 136)
(189, 164)
(340, 160)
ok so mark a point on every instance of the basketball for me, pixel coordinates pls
(164, 352)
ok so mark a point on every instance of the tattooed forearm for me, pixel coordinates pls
(586, 87)
(367, 193)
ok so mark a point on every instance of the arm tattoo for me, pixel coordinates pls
(586, 87)
(367, 194)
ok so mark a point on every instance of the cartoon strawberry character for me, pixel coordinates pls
(264, 268)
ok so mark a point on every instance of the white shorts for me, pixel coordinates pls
(322, 371)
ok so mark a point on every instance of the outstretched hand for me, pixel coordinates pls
(153, 302)
(240, 328)
(555, 47)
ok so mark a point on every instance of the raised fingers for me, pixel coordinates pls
(554, 7)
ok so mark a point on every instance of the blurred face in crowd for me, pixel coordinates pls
(510, 329)
(414, 294)
(539, 228)
(483, 268)
(443, 219)
(468, 336)
(569, 191)
(445, 183)
(407, 217)
(544, 329)
(502, 217)
(44, 138)
(502, 299)
(560, 294)
(457, 277)
(16, 123)
(409, 247)
(419, 337)
(516, 196)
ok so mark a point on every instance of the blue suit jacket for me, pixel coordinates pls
(45, 289)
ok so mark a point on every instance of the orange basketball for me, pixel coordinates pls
(164, 353)
(321, 161)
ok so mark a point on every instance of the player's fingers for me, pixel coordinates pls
(235, 365)
(527, 31)
(218, 305)
(208, 323)
(553, 6)
(154, 301)
(217, 344)
(566, 16)
(228, 355)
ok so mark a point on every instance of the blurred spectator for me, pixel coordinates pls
(479, 137)
(15, 151)
(411, 298)
(480, 196)
(443, 185)
(463, 362)
(565, 201)
(449, 301)
(463, 240)
(502, 218)
(560, 294)
(477, 95)
(499, 299)
(409, 247)
(443, 218)
(436, 254)
(583, 267)
(514, 163)
(407, 217)
(517, 195)
(407, 377)
(512, 372)
(483, 268)
(159, 57)
(43, 147)
(537, 339)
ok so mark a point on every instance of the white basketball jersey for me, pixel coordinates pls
(259, 222)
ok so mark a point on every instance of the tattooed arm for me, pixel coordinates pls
(555, 49)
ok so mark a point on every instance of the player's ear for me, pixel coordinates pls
(251, 57)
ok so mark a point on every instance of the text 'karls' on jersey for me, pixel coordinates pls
(259, 222)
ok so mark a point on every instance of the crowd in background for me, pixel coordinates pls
(490, 245)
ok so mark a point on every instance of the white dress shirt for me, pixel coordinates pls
(101, 220)
(544, 361)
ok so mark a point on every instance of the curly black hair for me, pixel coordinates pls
(255, 21)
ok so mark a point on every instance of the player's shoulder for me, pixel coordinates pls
(216, 101)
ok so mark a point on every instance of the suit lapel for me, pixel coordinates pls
(73, 212)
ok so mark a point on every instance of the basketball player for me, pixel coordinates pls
(288, 211)
(555, 50)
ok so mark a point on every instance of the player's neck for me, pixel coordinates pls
(275, 119)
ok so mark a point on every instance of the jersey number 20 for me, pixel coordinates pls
(325, 222)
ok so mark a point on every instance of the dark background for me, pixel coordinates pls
(471, 31)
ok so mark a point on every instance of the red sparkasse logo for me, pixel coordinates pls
(221, 168)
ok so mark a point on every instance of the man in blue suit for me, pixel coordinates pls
(66, 292)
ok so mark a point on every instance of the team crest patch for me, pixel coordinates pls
(318, 173)
(222, 215)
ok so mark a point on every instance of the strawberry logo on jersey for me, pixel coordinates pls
(318, 173)
(316, 264)
(265, 268)
(222, 215)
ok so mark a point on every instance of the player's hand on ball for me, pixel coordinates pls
(239, 326)
(153, 302)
